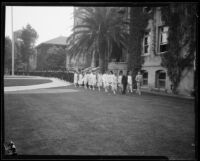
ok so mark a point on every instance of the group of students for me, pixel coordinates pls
(108, 80)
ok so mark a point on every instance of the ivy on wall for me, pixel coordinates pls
(138, 23)
(181, 19)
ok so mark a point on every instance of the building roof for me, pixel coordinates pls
(61, 40)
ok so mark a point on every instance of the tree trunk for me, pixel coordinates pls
(101, 63)
(102, 57)
(93, 60)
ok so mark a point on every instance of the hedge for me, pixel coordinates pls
(64, 75)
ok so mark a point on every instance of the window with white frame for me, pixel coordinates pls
(163, 39)
(145, 78)
(146, 42)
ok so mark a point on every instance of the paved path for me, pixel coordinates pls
(55, 83)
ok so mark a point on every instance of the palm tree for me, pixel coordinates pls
(100, 28)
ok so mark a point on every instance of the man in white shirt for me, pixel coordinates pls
(99, 80)
(94, 81)
(119, 82)
(105, 81)
(75, 79)
(130, 86)
(114, 83)
(139, 79)
(85, 80)
(80, 79)
(90, 80)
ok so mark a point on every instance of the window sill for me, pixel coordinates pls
(145, 54)
(160, 53)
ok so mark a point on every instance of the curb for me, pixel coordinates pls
(169, 95)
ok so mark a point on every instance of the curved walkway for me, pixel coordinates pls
(55, 83)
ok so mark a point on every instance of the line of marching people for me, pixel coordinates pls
(108, 80)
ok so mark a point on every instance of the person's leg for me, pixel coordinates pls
(113, 90)
(124, 88)
(121, 88)
(131, 88)
(139, 90)
(106, 88)
(128, 88)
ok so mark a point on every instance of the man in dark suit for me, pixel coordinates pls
(124, 83)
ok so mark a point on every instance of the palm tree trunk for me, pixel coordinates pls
(102, 56)
(101, 62)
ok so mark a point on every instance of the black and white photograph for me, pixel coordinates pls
(99, 80)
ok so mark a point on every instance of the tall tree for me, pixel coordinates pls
(8, 54)
(138, 24)
(28, 37)
(99, 28)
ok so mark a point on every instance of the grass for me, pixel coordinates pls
(93, 123)
(24, 82)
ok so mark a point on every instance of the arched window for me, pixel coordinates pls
(160, 79)
(145, 78)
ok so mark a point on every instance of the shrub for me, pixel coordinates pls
(64, 75)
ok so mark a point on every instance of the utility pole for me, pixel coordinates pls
(13, 56)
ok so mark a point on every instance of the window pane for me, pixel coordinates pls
(163, 48)
(146, 49)
(145, 82)
(145, 75)
(164, 38)
(146, 41)
(162, 76)
(161, 84)
(165, 29)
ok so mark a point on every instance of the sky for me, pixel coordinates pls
(49, 22)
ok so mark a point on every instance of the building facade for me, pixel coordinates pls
(44, 49)
(154, 44)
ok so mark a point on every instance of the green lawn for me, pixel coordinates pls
(24, 82)
(93, 123)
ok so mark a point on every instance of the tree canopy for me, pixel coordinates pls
(28, 37)
(8, 53)
(99, 28)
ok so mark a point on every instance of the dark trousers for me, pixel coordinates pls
(124, 88)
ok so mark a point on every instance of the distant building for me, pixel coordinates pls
(42, 50)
